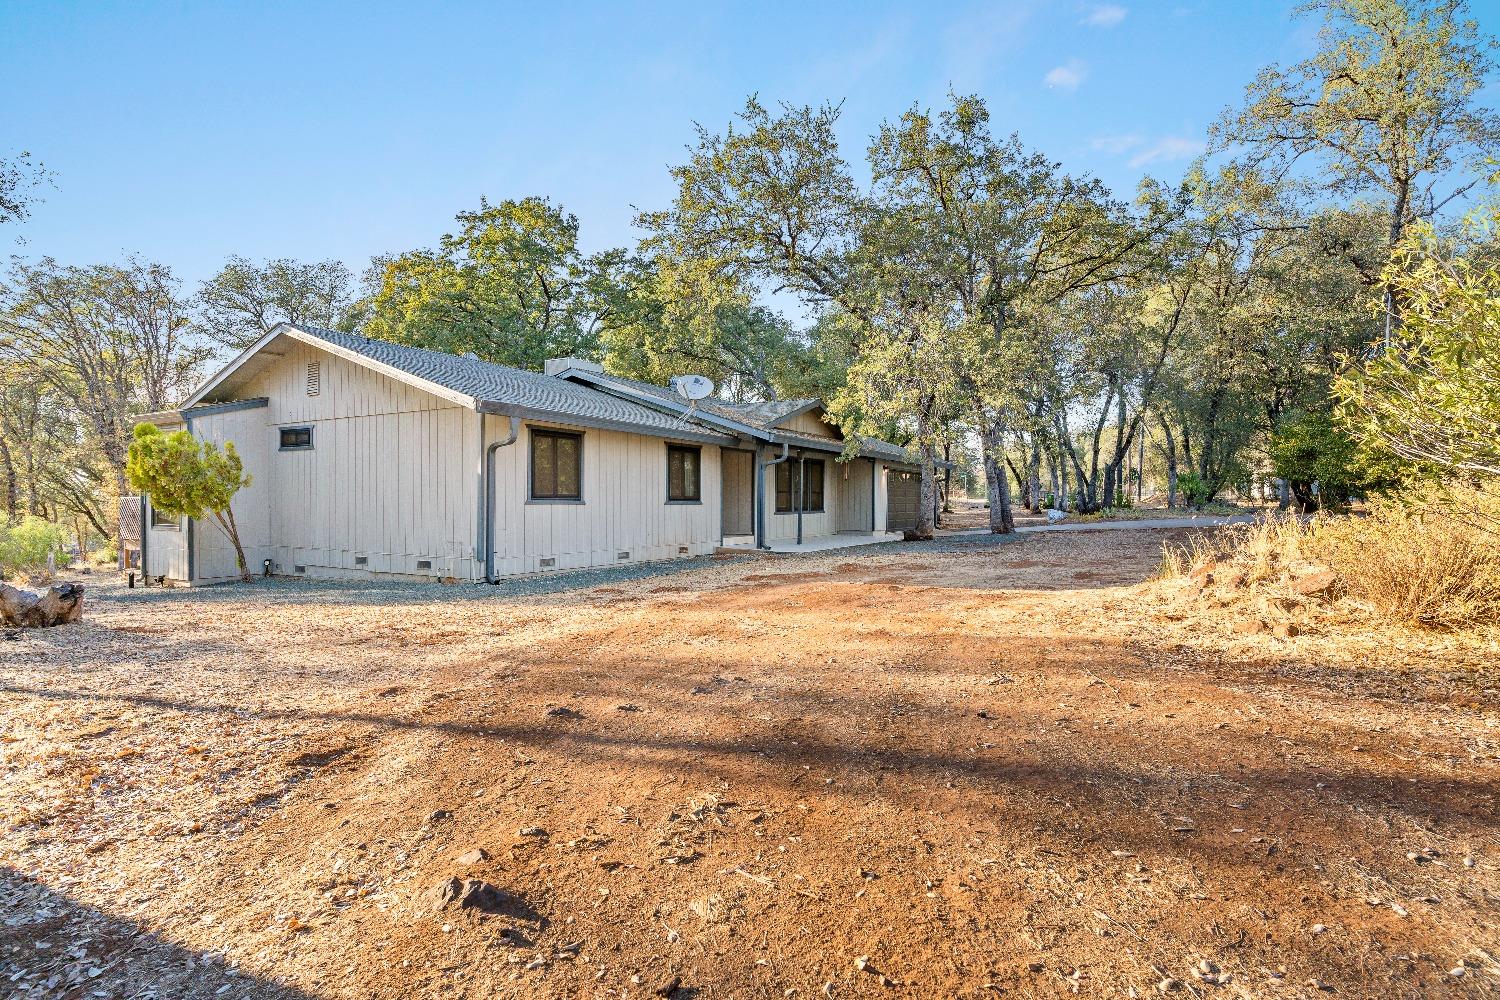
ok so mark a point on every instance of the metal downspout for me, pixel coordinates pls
(874, 475)
(489, 498)
(760, 493)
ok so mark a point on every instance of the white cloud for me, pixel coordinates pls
(1116, 144)
(1068, 76)
(1104, 15)
(1167, 149)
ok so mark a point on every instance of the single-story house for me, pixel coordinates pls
(373, 459)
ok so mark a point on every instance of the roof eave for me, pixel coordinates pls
(599, 423)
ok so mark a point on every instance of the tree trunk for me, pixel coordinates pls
(226, 522)
(61, 603)
(11, 487)
(1171, 450)
(1034, 476)
(1002, 518)
(948, 478)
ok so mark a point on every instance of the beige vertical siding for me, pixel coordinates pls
(624, 507)
(166, 548)
(812, 422)
(391, 478)
(853, 510)
(213, 556)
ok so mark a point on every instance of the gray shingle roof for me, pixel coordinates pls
(761, 416)
(530, 393)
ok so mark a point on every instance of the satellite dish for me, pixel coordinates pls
(693, 387)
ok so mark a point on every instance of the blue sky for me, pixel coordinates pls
(187, 132)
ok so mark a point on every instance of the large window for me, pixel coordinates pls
(788, 475)
(684, 482)
(556, 465)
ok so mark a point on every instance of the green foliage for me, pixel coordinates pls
(185, 477)
(1386, 105)
(26, 545)
(244, 301)
(1195, 493)
(1313, 448)
(1433, 396)
(510, 286)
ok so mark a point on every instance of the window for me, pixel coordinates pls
(684, 483)
(167, 521)
(556, 465)
(787, 476)
(296, 439)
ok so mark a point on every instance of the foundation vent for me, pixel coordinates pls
(547, 563)
(314, 377)
(361, 560)
(682, 550)
(424, 564)
(622, 554)
(299, 569)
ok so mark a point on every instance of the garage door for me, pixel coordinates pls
(903, 492)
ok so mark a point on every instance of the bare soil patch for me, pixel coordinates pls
(914, 771)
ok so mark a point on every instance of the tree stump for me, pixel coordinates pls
(61, 603)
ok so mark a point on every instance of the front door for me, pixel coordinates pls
(738, 494)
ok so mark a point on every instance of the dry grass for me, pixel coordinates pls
(1434, 567)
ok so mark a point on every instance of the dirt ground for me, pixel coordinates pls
(952, 769)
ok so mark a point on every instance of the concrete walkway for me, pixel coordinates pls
(843, 540)
(1189, 521)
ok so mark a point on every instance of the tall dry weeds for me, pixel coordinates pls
(1431, 565)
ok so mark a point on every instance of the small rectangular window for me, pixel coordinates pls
(296, 439)
(684, 478)
(166, 521)
(556, 465)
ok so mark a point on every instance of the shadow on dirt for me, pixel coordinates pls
(56, 947)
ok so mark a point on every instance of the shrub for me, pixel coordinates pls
(1193, 489)
(1431, 566)
(25, 546)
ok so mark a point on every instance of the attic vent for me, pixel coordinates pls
(548, 563)
(314, 377)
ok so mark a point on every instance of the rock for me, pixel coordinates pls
(1169, 985)
(862, 963)
(1319, 928)
(1036, 967)
(627, 708)
(60, 604)
(1248, 626)
(667, 988)
(563, 712)
(1457, 972)
(531, 831)
(438, 814)
(470, 894)
(1317, 585)
(1053, 516)
(1234, 579)
(1285, 630)
(474, 857)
